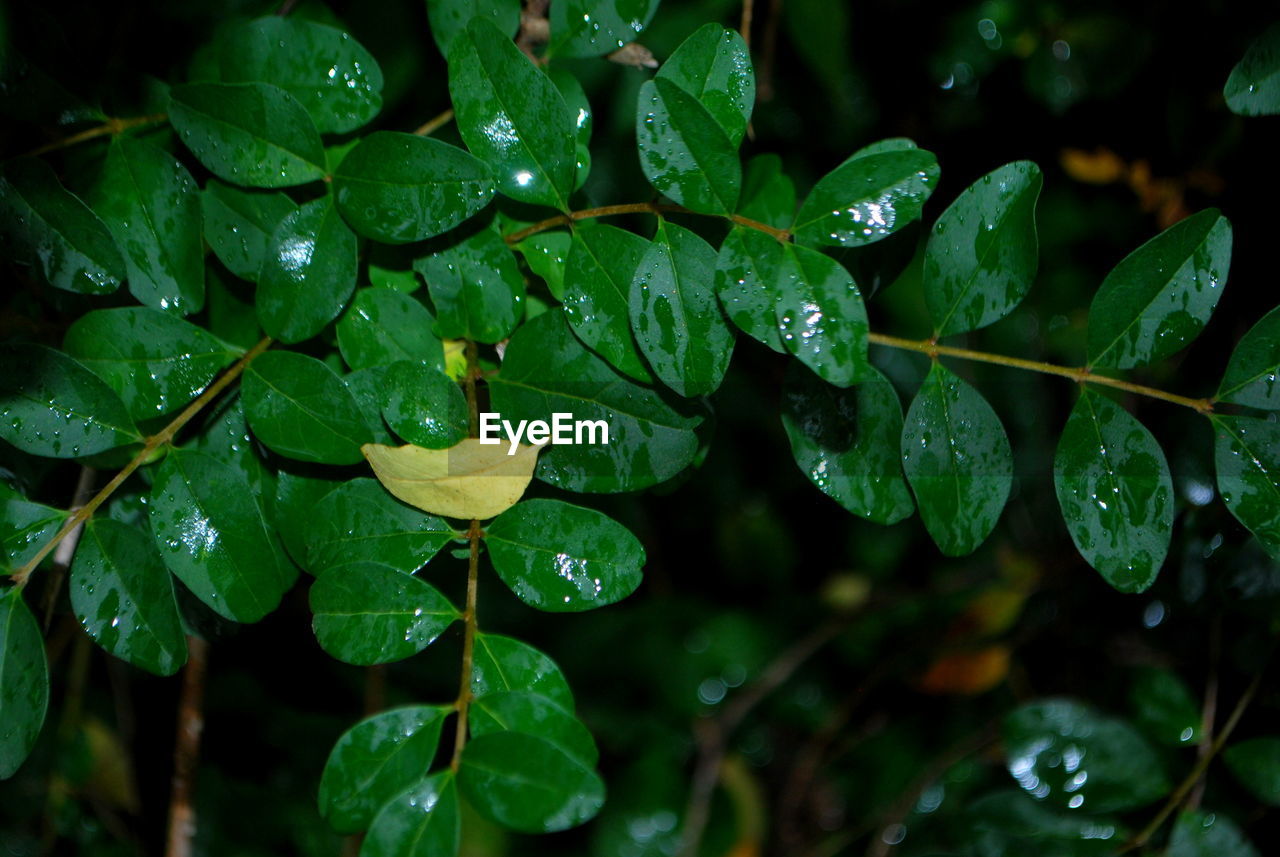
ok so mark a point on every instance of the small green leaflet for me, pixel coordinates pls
(545, 253)
(528, 784)
(1164, 707)
(533, 714)
(867, 198)
(750, 272)
(768, 194)
(821, 316)
(24, 681)
(299, 408)
(384, 325)
(1256, 764)
(427, 816)
(475, 285)
(359, 520)
(1247, 456)
(714, 66)
(601, 264)
(423, 406)
(1208, 834)
(684, 152)
(1253, 89)
(449, 18)
(501, 663)
(308, 272)
(589, 28)
(25, 527)
(239, 223)
(1253, 372)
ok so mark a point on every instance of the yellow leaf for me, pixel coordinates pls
(470, 480)
(455, 359)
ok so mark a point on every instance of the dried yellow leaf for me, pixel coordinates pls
(470, 480)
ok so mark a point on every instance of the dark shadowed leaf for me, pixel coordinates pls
(24, 681)
(239, 223)
(1256, 764)
(1253, 88)
(1251, 376)
(589, 28)
(1247, 456)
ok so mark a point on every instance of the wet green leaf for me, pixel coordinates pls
(225, 436)
(331, 75)
(563, 558)
(1009, 824)
(423, 405)
(1159, 297)
(750, 272)
(983, 253)
(251, 134)
(299, 408)
(684, 152)
(151, 206)
(449, 18)
(155, 361)
(1251, 376)
(397, 187)
(675, 315)
(532, 714)
(366, 388)
(1253, 88)
(297, 502)
(866, 198)
(308, 272)
(545, 253)
(958, 461)
(847, 443)
(239, 223)
(714, 66)
(1256, 764)
(384, 325)
(212, 533)
(25, 527)
(1164, 707)
(1069, 756)
(1208, 834)
(359, 520)
(476, 286)
(424, 821)
(528, 784)
(512, 116)
(768, 194)
(547, 370)
(590, 28)
(377, 759)
(821, 316)
(1247, 457)
(51, 405)
(231, 316)
(123, 596)
(24, 681)
(1115, 492)
(44, 225)
(501, 663)
(601, 264)
(368, 613)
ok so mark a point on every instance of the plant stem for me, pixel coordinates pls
(112, 126)
(474, 534)
(150, 445)
(426, 129)
(186, 750)
(635, 208)
(744, 26)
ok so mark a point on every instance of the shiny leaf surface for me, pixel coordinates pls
(308, 272)
(501, 663)
(750, 271)
(384, 325)
(239, 223)
(1247, 457)
(714, 66)
(1251, 376)
(528, 784)
(1253, 88)
(821, 316)
(475, 285)
(590, 28)
(532, 714)
(867, 198)
(424, 821)
(684, 152)
(25, 527)
(601, 264)
(449, 18)
(24, 681)
(423, 405)
(545, 253)
(299, 408)
(359, 520)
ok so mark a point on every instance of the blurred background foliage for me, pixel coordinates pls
(887, 738)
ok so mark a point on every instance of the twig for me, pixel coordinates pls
(435, 123)
(111, 126)
(1209, 708)
(474, 534)
(186, 751)
(744, 26)
(67, 548)
(764, 87)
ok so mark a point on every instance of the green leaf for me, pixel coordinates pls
(601, 264)
(1011, 824)
(476, 286)
(821, 316)
(714, 66)
(575, 98)
(24, 681)
(847, 442)
(684, 152)
(25, 527)
(563, 558)
(1069, 756)
(866, 198)
(51, 405)
(336, 81)
(591, 28)
(383, 326)
(251, 134)
(1159, 297)
(156, 362)
(532, 714)
(675, 315)
(528, 784)
(44, 225)
(231, 316)
(123, 596)
(1253, 88)
(1115, 492)
(1208, 834)
(212, 533)
(360, 521)
(296, 505)
(1247, 457)
(751, 269)
(1164, 707)
(308, 272)
(151, 206)
(225, 436)
(1251, 376)
(397, 187)
(449, 18)
(512, 116)
(545, 253)
(1256, 764)
(958, 461)
(367, 389)
(424, 821)
(547, 370)
(501, 663)
(768, 194)
(377, 759)
(423, 405)
(889, 144)
(982, 256)
(239, 223)
(299, 408)
(367, 613)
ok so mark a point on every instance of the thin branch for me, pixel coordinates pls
(474, 534)
(744, 26)
(150, 445)
(186, 751)
(426, 129)
(636, 208)
(67, 548)
(111, 126)
(1209, 708)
